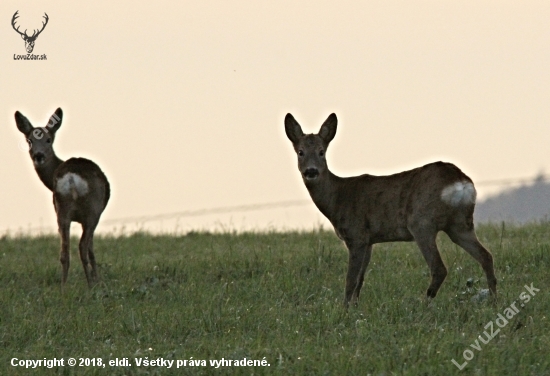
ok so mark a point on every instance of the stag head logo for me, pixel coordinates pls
(29, 40)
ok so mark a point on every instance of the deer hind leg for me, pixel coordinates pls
(428, 247)
(467, 239)
(64, 227)
(91, 255)
(87, 254)
(359, 257)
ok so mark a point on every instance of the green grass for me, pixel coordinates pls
(276, 296)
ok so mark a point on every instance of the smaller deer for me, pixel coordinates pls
(80, 190)
(29, 40)
(411, 205)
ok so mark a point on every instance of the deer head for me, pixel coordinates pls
(311, 148)
(40, 139)
(29, 40)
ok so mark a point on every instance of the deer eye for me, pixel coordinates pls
(322, 153)
(49, 140)
(301, 153)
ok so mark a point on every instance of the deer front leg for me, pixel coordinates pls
(366, 260)
(65, 256)
(359, 257)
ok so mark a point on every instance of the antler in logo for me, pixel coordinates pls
(29, 40)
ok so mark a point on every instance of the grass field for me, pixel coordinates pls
(274, 297)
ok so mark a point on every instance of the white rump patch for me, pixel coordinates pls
(459, 193)
(72, 184)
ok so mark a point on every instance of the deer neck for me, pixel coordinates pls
(324, 191)
(46, 171)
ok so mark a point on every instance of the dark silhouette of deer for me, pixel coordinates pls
(409, 206)
(80, 190)
(29, 40)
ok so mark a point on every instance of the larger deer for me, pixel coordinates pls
(409, 206)
(80, 190)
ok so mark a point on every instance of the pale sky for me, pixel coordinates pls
(182, 103)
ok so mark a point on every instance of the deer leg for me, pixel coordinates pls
(354, 280)
(91, 255)
(366, 260)
(428, 247)
(83, 249)
(467, 239)
(87, 253)
(65, 256)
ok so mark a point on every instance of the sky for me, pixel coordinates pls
(182, 104)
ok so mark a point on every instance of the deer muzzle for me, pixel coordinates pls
(38, 158)
(310, 173)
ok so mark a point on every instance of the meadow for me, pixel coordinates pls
(277, 298)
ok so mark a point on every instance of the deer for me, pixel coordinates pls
(29, 40)
(413, 205)
(80, 191)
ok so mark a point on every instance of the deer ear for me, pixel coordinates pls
(293, 129)
(23, 124)
(328, 129)
(55, 120)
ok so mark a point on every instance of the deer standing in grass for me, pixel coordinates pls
(409, 206)
(80, 190)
